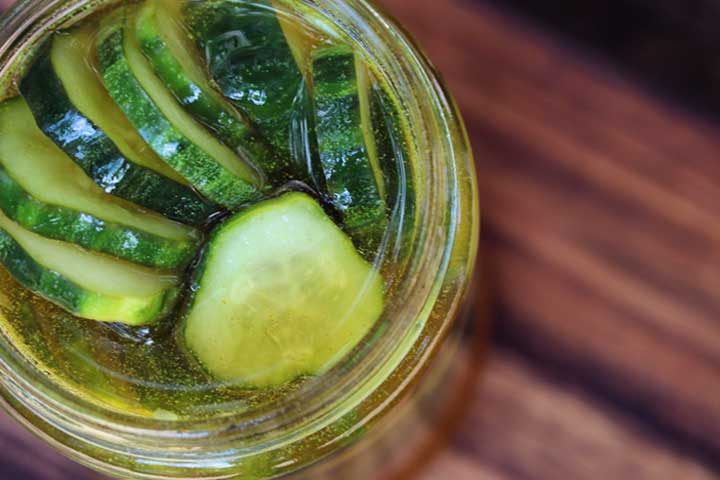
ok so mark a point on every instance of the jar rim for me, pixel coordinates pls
(450, 217)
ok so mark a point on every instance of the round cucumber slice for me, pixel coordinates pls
(72, 107)
(251, 62)
(86, 284)
(46, 192)
(280, 292)
(176, 61)
(346, 144)
(183, 143)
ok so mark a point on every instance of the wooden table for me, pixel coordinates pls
(601, 206)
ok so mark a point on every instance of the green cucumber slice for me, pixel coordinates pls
(88, 285)
(299, 35)
(394, 154)
(251, 62)
(347, 148)
(46, 192)
(303, 141)
(166, 44)
(184, 144)
(72, 107)
(280, 292)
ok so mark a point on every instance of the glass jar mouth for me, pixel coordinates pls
(440, 265)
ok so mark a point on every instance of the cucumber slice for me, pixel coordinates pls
(72, 107)
(303, 141)
(175, 59)
(86, 284)
(251, 62)
(348, 153)
(280, 292)
(392, 144)
(300, 41)
(184, 144)
(46, 192)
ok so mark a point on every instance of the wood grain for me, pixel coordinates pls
(601, 220)
(601, 207)
(531, 425)
(24, 457)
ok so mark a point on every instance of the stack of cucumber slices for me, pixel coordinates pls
(144, 172)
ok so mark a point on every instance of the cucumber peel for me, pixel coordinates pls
(72, 107)
(167, 46)
(183, 143)
(348, 152)
(250, 60)
(280, 292)
(394, 155)
(86, 284)
(46, 192)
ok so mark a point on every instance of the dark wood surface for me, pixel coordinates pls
(601, 207)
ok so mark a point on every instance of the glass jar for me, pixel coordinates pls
(332, 413)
